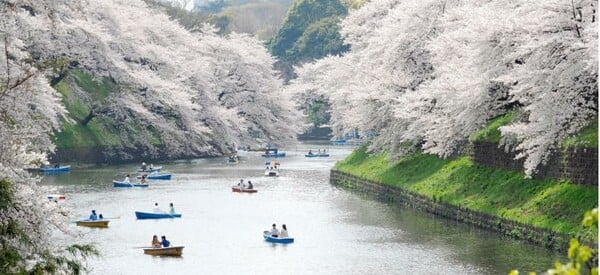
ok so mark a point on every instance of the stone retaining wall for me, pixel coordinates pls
(405, 198)
(579, 165)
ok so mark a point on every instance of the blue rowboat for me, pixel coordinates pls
(127, 184)
(151, 215)
(157, 176)
(316, 155)
(274, 155)
(56, 169)
(270, 239)
(154, 169)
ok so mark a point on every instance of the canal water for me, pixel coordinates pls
(335, 230)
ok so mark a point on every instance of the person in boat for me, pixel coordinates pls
(100, 217)
(143, 180)
(310, 152)
(171, 208)
(241, 183)
(274, 231)
(151, 167)
(57, 165)
(126, 179)
(164, 242)
(144, 166)
(156, 209)
(155, 242)
(283, 233)
(93, 216)
(250, 186)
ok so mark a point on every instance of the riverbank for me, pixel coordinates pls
(497, 199)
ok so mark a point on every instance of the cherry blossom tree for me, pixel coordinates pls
(427, 74)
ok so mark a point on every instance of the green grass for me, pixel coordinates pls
(587, 137)
(99, 131)
(491, 133)
(557, 206)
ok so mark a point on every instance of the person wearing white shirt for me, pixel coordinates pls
(156, 209)
(284, 233)
(126, 178)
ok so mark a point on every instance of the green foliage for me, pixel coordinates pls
(320, 39)
(491, 133)
(318, 114)
(587, 137)
(503, 193)
(581, 257)
(297, 40)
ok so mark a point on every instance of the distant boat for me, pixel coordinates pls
(273, 152)
(153, 169)
(157, 176)
(243, 190)
(49, 169)
(339, 141)
(268, 238)
(128, 184)
(272, 173)
(150, 215)
(233, 159)
(165, 251)
(318, 155)
(56, 197)
(90, 223)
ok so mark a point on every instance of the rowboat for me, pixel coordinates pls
(56, 197)
(56, 169)
(157, 176)
(153, 169)
(323, 155)
(273, 153)
(268, 238)
(150, 215)
(128, 184)
(90, 223)
(243, 190)
(271, 173)
(165, 251)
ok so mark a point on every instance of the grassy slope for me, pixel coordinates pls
(100, 131)
(547, 204)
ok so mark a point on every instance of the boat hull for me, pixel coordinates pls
(148, 215)
(243, 190)
(97, 223)
(157, 177)
(316, 155)
(155, 169)
(270, 239)
(274, 155)
(174, 251)
(125, 184)
(56, 169)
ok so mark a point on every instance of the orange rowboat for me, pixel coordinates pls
(243, 190)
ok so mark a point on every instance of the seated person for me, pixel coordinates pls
(274, 231)
(93, 216)
(156, 209)
(126, 179)
(155, 242)
(250, 186)
(284, 233)
(164, 242)
(171, 209)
